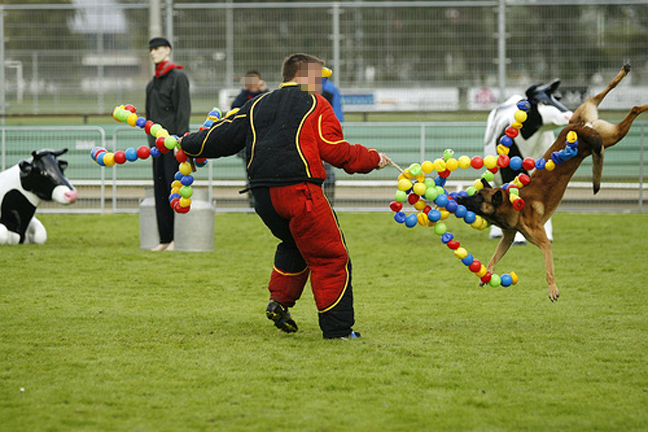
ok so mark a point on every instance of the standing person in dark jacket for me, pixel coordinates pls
(167, 103)
(287, 134)
(253, 86)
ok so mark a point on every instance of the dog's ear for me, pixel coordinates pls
(486, 184)
(498, 198)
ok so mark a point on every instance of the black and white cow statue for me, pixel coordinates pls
(23, 187)
(536, 135)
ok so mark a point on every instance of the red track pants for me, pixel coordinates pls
(311, 243)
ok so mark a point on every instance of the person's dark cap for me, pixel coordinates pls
(158, 41)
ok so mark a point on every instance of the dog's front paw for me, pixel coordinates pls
(553, 294)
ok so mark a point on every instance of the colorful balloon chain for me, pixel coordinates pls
(181, 190)
(414, 188)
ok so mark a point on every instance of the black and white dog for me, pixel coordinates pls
(23, 187)
(536, 136)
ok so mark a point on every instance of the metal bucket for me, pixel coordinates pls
(194, 231)
(149, 237)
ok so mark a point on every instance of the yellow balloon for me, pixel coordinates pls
(427, 167)
(404, 185)
(185, 202)
(420, 205)
(452, 164)
(490, 162)
(464, 162)
(419, 189)
(503, 150)
(162, 133)
(131, 119)
(422, 219)
(550, 165)
(109, 159)
(520, 116)
(461, 253)
(185, 168)
(482, 271)
(439, 165)
(515, 277)
(176, 184)
(408, 174)
(516, 125)
(478, 184)
(571, 136)
(444, 214)
(420, 178)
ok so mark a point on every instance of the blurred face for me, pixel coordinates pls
(309, 78)
(160, 54)
(251, 83)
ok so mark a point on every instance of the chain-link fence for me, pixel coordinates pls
(88, 56)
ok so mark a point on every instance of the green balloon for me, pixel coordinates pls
(415, 169)
(488, 176)
(155, 129)
(431, 194)
(170, 142)
(186, 191)
(472, 190)
(440, 228)
(401, 196)
(123, 114)
(495, 281)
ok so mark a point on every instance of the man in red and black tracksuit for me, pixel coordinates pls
(287, 133)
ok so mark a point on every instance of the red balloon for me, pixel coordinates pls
(181, 156)
(147, 126)
(528, 164)
(503, 161)
(412, 198)
(201, 160)
(130, 108)
(180, 209)
(511, 132)
(143, 152)
(494, 169)
(453, 244)
(477, 162)
(475, 266)
(394, 205)
(427, 209)
(518, 204)
(524, 179)
(444, 174)
(159, 143)
(120, 157)
(487, 277)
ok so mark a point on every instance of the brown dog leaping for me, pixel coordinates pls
(546, 188)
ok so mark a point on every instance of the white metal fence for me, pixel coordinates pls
(121, 188)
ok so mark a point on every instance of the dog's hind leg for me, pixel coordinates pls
(613, 133)
(588, 111)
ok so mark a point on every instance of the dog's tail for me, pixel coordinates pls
(592, 139)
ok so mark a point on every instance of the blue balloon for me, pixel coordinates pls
(411, 221)
(524, 105)
(187, 180)
(215, 113)
(540, 164)
(506, 141)
(131, 154)
(446, 237)
(201, 164)
(140, 122)
(506, 280)
(208, 123)
(434, 215)
(467, 260)
(462, 193)
(155, 152)
(451, 206)
(100, 158)
(461, 211)
(441, 200)
(470, 217)
(515, 163)
(555, 157)
(174, 195)
(178, 176)
(400, 217)
(440, 181)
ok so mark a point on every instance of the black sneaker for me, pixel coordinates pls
(352, 335)
(279, 314)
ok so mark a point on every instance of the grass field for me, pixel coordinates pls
(98, 335)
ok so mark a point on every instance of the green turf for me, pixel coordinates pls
(103, 336)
